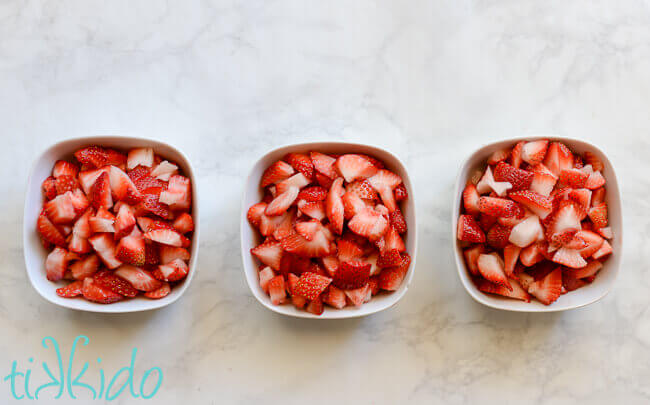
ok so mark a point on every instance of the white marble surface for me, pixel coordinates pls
(431, 80)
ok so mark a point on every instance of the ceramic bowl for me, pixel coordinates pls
(34, 252)
(250, 237)
(574, 299)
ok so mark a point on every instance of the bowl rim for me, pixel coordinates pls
(136, 306)
(327, 314)
(471, 290)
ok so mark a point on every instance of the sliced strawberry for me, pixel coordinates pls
(487, 184)
(516, 156)
(605, 249)
(314, 193)
(105, 247)
(354, 167)
(78, 244)
(531, 254)
(574, 178)
(334, 297)
(491, 267)
(606, 232)
(510, 256)
(537, 203)
(566, 218)
(65, 183)
(175, 270)
(318, 247)
(582, 197)
(85, 267)
(151, 202)
(308, 229)
(255, 213)
(170, 253)
(558, 158)
(471, 199)
(140, 279)
(147, 224)
(362, 189)
(93, 292)
(184, 223)
(102, 221)
(49, 231)
(323, 180)
(131, 250)
(298, 181)
(314, 209)
(302, 163)
(63, 168)
(122, 188)
(598, 196)
(109, 281)
(351, 275)
(499, 156)
(468, 230)
(570, 282)
(284, 227)
(315, 307)
(397, 221)
(520, 179)
(282, 202)
(324, 164)
(163, 171)
(517, 291)
(389, 258)
(369, 223)
(60, 210)
(471, 258)
(384, 182)
(124, 222)
(358, 296)
(392, 240)
(56, 264)
(88, 177)
(400, 192)
(71, 290)
(594, 161)
(49, 188)
(348, 250)
(92, 156)
(275, 173)
(265, 275)
(497, 207)
(167, 237)
(593, 241)
(159, 293)
(140, 157)
(277, 290)
(311, 285)
(543, 180)
(352, 204)
(569, 258)
(269, 253)
(598, 215)
(592, 267)
(534, 152)
(498, 236)
(391, 278)
(334, 205)
(115, 158)
(549, 289)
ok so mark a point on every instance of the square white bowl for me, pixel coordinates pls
(34, 252)
(573, 299)
(250, 237)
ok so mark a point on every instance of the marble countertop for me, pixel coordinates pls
(429, 80)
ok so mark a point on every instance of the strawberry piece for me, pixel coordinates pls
(510, 256)
(471, 199)
(358, 296)
(400, 193)
(124, 222)
(594, 161)
(71, 290)
(542, 206)
(595, 180)
(49, 232)
(93, 292)
(282, 202)
(384, 182)
(498, 156)
(351, 275)
(373, 284)
(549, 289)
(323, 180)
(308, 229)
(265, 275)
(569, 258)
(516, 156)
(598, 196)
(175, 270)
(56, 264)
(354, 167)
(334, 297)
(276, 173)
(109, 281)
(531, 254)
(352, 204)
(534, 152)
(122, 186)
(102, 221)
(315, 307)
(488, 183)
(397, 221)
(606, 232)
(592, 267)
(92, 156)
(163, 171)
(131, 250)
(497, 207)
(85, 267)
(255, 212)
(315, 210)
(392, 240)
(518, 178)
(605, 249)
(167, 237)
(565, 219)
(516, 292)
(362, 189)
(140, 279)
(598, 215)
(486, 221)
(151, 202)
(65, 183)
(369, 223)
(324, 164)
(311, 285)
(334, 205)
(314, 193)
(348, 250)
(389, 258)
(491, 267)
(471, 258)
(115, 158)
(498, 236)
(168, 254)
(159, 293)
(147, 224)
(391, 278)
(302, 163)
(100, 192)
(269, 253)
(63, 168)
(60, 210)
(593, 242)
(184, 223)
(319, 246)
(558, 158)
(468, 230)
(105, 247)
(88, 177)
(49, 188)
(140, 157)
(543, 180)
(582, 197)
(574, 178)
(78, 244)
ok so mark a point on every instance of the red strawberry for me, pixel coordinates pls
(100, 192)
(354, 167)
(390, 278)
(124, 222)
(88, 177)
(266, 275)
(598, 196)
(63, 168)
(348, 250)
(147, 224)
(61, 210)
(593, 241)
(298, 181)
(569, 258)
(594, 161)
(598, 215)
(531, 254)
(543, 180)
(308, 229)
(282, 202)
(392, 240)
(139, 278)
(534, 152)
(595, 180)
(314, 193)
(358, 296)
(65, 183)
(110, 281)
(605, 249)
(549, 288)
(269, 253)
(389, 258)
(498, 235)
(558, 158)
(105, 248)
(140, 157)
(486, 221)
(400, 193)
(103, 221)
(311, 285)
(497, 207)
(168, 254)
(373, 284)
(516, 156)
(352, 205)
(351, 275)
(377, 163)
(48, 231)
(324, 164)
(131, 250)
(122, 186)
(582, 197)
(468, 230)
(491, 268)
(334, 297)
(184, 223)
(302, 163)
(334, 205)
(606, 232)
(175, 270)
(323, 180)
(85, 267)
(49, 188)
(369, 223)
(255, 213)
(167, 237)
(397, 221)
(93, 292)
(151, 202)
(115, 158)
(498, 156)
(471, 258)
(78, 244)
(520, 179)
(384, 182)
(574, 178)
(592, 267)
(517, 292)
(315, 307)
(92, 156)
(510, 256)
(71, 290)
(314, 209)
(56, 264)
(362, 189)
(537, 203)
(471, 199)
(159, 293)
(318, 247)
(277, 290)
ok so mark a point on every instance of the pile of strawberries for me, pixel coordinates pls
(535, 222)
(116, 224)
(332, 227)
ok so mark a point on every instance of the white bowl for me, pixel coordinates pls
(573, 299)
(34, 252)
(250, 237)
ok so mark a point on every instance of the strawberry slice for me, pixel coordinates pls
(605, 249)
(105, 247)
(384, 182)
(115, 158)
(63, 168)
(315, 307)
(558, 158)
(269, 253)
(499, 156)
(487, 184)
(400, 193)
(606, 232)
(140, 157)
(311, 285)
(569, 258)
(255, 212)
(548, 289)
(531, 254)
(61, 210)
(582, 197)
(159, 293)
(363, 190)
(265, 275)
(398, 221)
(468, 230)
(319, 246)
(534, 152)
(308, 229)
(276, 173)
(517, 292)
(49, 231)
(65, 183)
(92, 156)
(313, 193)
(510, 256)
(49, 188)
(168, 254)
(88, 177)
(167, 237)
(358, 296)
(110, 281)
(277, 290)
(526, 232)
(85, 267)
(184, 223)
(369, 223)
(471, 257)
(124, 222)
(131, 250)
(391, 278)
(175, 270)
(348, 250)
(389, 258)
(298, 181)
(491, 267)
(315, 209)
(78, 244)
(592, 267)
(334, 205)
(71, 290)
(56, 264)
(100, 192)
(598, 215)
(163, 171)
(93, 292)
(140, 279)
(334, 297)
(498, 236)
(122, 186)
(151, 202)
(516, 155)
(324, 164)
(574, 178)
(355, 167)
(302, 163)
(592, 240)
(323, 180)
(543, 180)
(282, 202)
(594, 161)
(352, 204)
(542, 206)
(520, 179)
(498, 207)
(102, 221)
(471, 199)
(351, 275)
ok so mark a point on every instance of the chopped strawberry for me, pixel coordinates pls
(139, 278)
(175, 270)
(167, 237)
(510, 256)
(558, 158)
(384, 182)
(605, 249)
(352, 204)
(537, 203)
(598, 196)
(184, 223)
(498, 207)
(313, 193)
(323, 180)
(487, 184)
(71, 290)
(92, 156)
(468, 230)
(269, 253)
(594, 161)
(606, 232)
(140, 157)
(498, 236)
(471, 258)
(391, 278)
(534, 152)
(277, 290)
(355, 167)
(109, 281)
(265, 275)
(123, 188)
(592, 267)
(498, 156)
(471, 199)
(520, 179)
(151, 202)
(516, 291)
(398, 221)
(362, 189)
(348, 250)
(100, 192)
(491, 267)
(131, 250)
(255, 213)
(324, 164)
(60, 210)
(314, 209)
(566, 218)
(49, 231)
(163, 171)
(105, 247)
(88, 177)
(102, 221)
(595, 180)
(570, 282)
(351, 275)
(56, 264)
(93, 292)
(358, 296)
(574, 178)
(302, 163)
(531, 254)
(315, 307)
(334, 204)
(549, 289)
(159, 293)
(598, 215)
(85, 267)
(569, 258)
(369, 223)
(318, 247)
(543, 180)
(582, 197)
(115, 158)
(389, 258)
(49, 188)
(65, 183)
(282, 202)
(124, 222)
(334, 297)
(311, 285)
(63, 168)
(516, 156)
